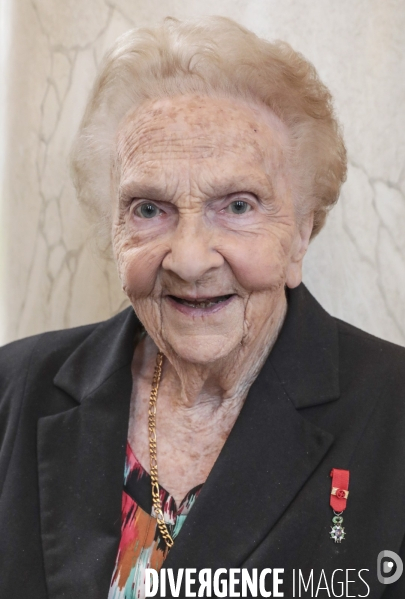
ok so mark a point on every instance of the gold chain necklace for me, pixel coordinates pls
(157, 506)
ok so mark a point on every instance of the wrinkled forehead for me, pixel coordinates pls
(196, 128)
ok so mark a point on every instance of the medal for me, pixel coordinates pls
(338, 501)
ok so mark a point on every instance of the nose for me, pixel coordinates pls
(192, 250)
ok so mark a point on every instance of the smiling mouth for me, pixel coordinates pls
(203, 303)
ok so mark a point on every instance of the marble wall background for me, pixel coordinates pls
(52, 278)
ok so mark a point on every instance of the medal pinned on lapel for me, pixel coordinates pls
(338, 502)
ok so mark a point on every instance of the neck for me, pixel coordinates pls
(227, 381)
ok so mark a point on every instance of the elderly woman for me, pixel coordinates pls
(225, 420)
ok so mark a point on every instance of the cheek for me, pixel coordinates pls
(259, 264)
(138, 270)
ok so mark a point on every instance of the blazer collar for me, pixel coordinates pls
(107, 349)
(306, 353)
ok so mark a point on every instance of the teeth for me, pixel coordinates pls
(203, 304)
(198, 304)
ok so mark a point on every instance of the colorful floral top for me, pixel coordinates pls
(141, 545)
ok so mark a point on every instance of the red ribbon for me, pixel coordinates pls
(340, 489)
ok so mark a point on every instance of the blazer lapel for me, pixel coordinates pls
(269, 455)
(81, 456)
(272, 449)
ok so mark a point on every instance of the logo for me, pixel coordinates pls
(389, 567)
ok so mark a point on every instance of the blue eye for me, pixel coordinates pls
(147, 210)
(238, 207)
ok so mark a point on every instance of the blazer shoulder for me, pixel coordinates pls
(15, 357)
(33, 358)
(365, 352)
(18, 358)
(368, 339)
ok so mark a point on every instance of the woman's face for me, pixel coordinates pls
(204, 231)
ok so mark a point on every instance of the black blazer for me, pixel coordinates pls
(329, 396)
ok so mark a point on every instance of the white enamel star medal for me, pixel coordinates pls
(338, 502)
(337, 532)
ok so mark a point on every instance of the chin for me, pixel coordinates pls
(202, 349)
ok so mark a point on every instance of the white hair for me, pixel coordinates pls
(210, 56)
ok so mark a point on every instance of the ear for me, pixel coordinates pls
(298, 251)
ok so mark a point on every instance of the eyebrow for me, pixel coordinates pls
(218, 188)
(243, 183)
(134, 189)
